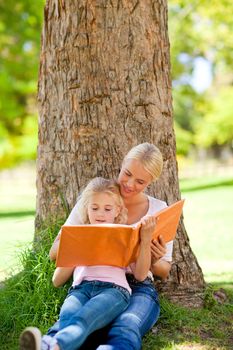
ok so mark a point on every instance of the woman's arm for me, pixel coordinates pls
(61, 275)
(159, 267)
(143, 262)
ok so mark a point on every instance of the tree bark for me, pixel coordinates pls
(105, 86)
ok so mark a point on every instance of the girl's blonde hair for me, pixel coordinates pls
(101, 185)
(149, 156)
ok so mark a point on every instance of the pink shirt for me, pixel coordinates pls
(103, 273)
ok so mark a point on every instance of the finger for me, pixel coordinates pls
(143, 222)
(158, 249)
(161, 240)
(150, 218)
(156, 256)
(158, 245)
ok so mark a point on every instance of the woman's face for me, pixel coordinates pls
(133, 178)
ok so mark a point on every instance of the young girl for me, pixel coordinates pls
(98, 293)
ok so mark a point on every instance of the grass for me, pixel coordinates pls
(209, 328)
(208, 220)
(28, 297)
(17, 212)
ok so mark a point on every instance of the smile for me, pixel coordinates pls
(127, 190)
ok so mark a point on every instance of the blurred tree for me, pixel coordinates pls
(217, 126)
(198, 30)
(20, 27)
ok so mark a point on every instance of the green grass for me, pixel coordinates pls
(179, 328)
(15, 236)
(17, 212)
(209, 221)
(28, 297)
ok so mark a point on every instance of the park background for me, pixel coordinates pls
(201, 67)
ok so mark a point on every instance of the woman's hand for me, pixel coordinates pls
(158, 249)
(159, 267)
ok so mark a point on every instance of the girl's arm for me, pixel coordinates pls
(73, 219)
(143, 262)
(61, 275)
(159, 267)
(54, 248)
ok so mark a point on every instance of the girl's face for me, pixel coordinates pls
(102, 209)
(133, 178)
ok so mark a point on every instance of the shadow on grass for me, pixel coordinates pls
(207, 328)
(17, 214)
(204, 186)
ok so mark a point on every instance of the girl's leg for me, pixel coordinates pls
(127, 330)
(91, 343)
(54, 329)
(71, 306)
(105, 304)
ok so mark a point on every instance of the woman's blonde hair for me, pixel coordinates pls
(149, 156)
(101, 185)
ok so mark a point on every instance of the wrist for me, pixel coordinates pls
(145, 242)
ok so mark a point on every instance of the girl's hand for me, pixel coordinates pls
(158, 249)
(143, 262)
(147, 229)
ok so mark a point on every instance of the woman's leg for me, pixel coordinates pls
(127, 330)
(104, 305)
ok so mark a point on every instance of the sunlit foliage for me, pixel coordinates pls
(20, 28)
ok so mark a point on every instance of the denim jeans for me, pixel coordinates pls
(88, 307)
(127, 330)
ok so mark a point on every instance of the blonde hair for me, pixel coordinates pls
(149, 156)
(101, 185)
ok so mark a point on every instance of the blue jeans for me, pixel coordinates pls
(127, 330)
(88, 307)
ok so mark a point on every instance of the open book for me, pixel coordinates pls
(112, 244)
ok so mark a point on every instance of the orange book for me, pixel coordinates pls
(112, 244)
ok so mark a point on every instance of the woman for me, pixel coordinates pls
(142, 165)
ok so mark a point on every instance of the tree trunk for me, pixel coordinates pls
(105, 86)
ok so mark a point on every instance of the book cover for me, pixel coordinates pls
(112, 244)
